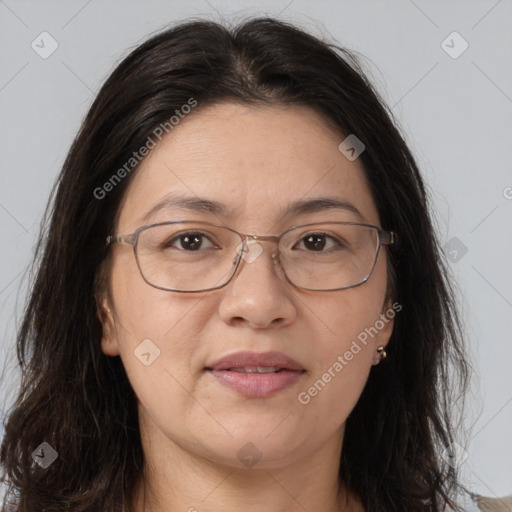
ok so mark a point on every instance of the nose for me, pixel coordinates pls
(258, 294)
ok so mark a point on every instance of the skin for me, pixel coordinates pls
(255, 160)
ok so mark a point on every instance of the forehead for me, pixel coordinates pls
(254, 162)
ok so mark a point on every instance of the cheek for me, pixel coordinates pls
(158, 344)
(344, 348)
(157, 332)
(142, 310)
(345, 322)
(339, 374)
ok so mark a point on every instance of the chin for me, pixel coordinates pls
(261, 444)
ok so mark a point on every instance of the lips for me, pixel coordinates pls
(256, 375)
(239, 360)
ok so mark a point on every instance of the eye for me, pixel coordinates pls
(190, 241)
(316, 242)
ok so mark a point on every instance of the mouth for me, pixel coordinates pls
(256, 369)
(256, 375)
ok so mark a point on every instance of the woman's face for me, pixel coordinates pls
(255, 161)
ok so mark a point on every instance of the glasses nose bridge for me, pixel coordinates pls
(263, 238)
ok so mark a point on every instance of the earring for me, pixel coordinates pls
(382, 354)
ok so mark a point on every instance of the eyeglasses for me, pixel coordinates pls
(194, 256)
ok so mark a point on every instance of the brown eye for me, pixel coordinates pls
(192, 241)
(317, 242)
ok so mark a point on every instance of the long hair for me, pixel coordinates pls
(80, 402)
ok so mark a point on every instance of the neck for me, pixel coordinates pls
(179, 479)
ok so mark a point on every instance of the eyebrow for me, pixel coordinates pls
(299, 207)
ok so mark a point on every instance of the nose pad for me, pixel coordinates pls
(278, 265)
(240, 250)
(250, 249)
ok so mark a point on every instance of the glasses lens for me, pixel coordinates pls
(187, 256)
(329, 256)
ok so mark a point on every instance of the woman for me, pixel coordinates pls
(280, 333)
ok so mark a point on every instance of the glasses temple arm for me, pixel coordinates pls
(388, 237)
(119, 239)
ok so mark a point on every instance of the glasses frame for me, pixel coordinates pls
(384, 238)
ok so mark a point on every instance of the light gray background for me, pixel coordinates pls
(456, 114)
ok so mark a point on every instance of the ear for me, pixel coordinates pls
(385, 323)
(108, 337)
(105, 314)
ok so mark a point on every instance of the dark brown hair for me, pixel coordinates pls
(80, 401)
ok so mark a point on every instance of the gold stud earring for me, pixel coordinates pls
(382, 353)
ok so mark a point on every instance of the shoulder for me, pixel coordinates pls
(478, 503)
(487, 504)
